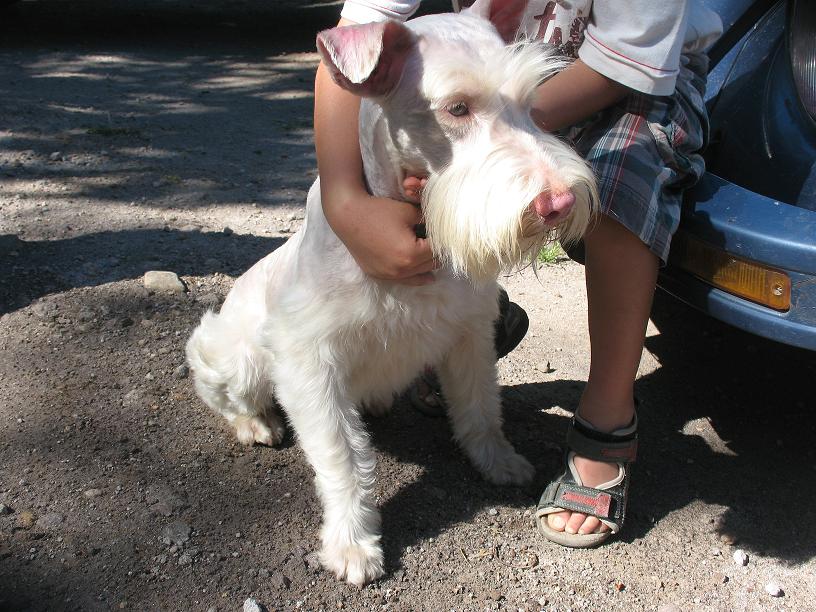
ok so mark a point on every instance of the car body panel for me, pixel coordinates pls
(756, 200)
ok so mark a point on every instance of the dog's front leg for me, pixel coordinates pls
(333, 437)
(469, 382)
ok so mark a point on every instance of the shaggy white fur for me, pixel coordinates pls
(447, 96)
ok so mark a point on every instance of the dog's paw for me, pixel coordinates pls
(509, 468)
(258, 430)
(357, 564)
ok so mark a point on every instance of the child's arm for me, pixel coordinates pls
(378, 232)
(572, 95)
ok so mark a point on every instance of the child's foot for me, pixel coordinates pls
(587, 502)
(593, 473)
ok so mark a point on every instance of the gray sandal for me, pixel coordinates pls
(606, 502)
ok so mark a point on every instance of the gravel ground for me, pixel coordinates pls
(172, 135)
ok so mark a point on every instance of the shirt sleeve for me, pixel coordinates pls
(637, 42)
(367, 11)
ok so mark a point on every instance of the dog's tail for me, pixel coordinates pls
(229, 370)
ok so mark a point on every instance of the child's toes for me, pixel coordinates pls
(575, 521)
(591, 525)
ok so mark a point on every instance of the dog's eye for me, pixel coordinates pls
(459, 109)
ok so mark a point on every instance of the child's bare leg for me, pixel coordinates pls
(621, 273)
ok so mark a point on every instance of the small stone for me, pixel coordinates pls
(26, 519)
(280, 581)
(312, 561)
(159, 280)
(250, 605)
(55, 156)
(740, 557)
(774, 590)
(492, 512)
(183, 371)
(177, 532)
(4, 509)
(185, 559)
(718, 578)
(91, 493)
(227, 231)
(50, 520)
(543, 601)
(728, 538)
(44, 310)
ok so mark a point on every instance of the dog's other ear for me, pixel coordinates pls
(505, 15)
(366, 59)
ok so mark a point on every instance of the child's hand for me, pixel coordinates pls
(412, 186)
(380, 234)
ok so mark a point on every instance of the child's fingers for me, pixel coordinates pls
(412, 187)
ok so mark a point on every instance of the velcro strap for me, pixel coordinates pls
(607, 505)
(601, 446)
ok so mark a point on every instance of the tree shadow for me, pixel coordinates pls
(725, 420)
(33, 269)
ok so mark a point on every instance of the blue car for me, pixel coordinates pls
(745, 252)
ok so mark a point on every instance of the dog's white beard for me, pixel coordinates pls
(477, 212)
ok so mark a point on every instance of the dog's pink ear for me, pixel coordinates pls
(505, 15)
(367, 59)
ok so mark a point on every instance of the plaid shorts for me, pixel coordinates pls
(645, 151)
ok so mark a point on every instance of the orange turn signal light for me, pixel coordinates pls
(741, 277)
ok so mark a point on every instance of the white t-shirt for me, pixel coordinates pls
(634, 42)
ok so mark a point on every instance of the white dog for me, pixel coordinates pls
(446, 96)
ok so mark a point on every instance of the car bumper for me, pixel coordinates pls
(760, 229)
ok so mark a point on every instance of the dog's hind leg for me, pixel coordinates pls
(332, 435)
(468, 377)
(231, 377)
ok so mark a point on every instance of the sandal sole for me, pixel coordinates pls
(571, 540)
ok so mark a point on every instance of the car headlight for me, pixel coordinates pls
(802, 48)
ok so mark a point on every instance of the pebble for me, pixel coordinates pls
(740, 557)
(26, 519)
(55, 156)
(312, 561)
(183, 371)
(50, 520)
(159, 280)
(251, 605)
(44, 310)
(280, 581)
(774, 590)
(4, 509)
(227, 231)
(177, 532)
(91, 493)
(492, 512)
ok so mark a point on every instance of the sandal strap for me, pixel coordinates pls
(615, 447)
(607, 505)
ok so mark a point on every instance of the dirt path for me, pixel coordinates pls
(177, 136)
